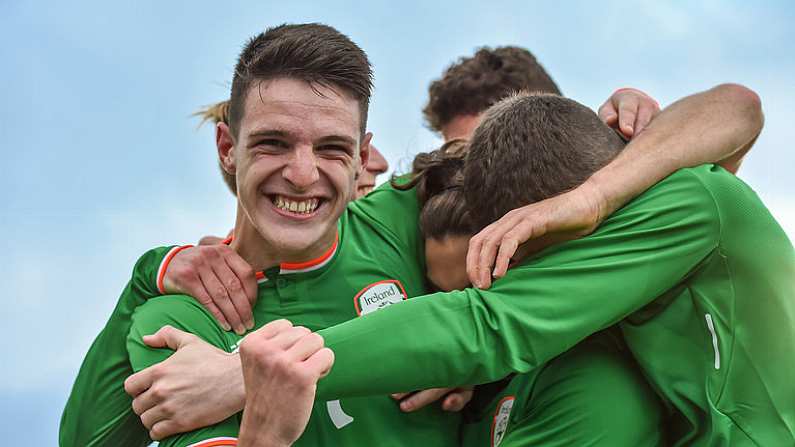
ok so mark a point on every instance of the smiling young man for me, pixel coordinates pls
(295, 145)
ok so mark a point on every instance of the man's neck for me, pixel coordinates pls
(262, 255)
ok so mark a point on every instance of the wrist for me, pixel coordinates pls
(161, 271)
(237, 388)
(597, 195)
(257, 430)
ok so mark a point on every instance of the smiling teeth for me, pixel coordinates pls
(293, 206)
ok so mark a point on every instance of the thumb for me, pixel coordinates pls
(168, 337)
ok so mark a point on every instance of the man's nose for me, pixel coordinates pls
(301, 170)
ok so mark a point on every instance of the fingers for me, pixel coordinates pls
(246, 275)
(422, 398)
(139, 382)
(151, 416)
(220, 279)
(233, 289)
(627, 111)
(204, 299)
(210, 240)
(287, 338)
(607, 113)
(168, 337)
(163, 429)
(507, 249)
(144, 402)
(305, 346)
(398, 396)
(220, 297)
(320, 362)
(646, 111)
(473, 256)
(273, 328)
(457, 399)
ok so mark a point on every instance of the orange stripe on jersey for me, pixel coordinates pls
(305, 265)
(161, 272)
(216, 442)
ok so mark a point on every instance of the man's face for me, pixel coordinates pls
(296, 159)
(461, 127)
(376, 166)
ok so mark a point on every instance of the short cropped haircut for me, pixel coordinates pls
(438, 179)
(312, 52)
(531, 147)
(473, 84)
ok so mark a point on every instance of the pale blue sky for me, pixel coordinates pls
(103, 161)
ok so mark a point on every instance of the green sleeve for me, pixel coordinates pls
(539, 310)
(98, 411)
(393, 214)
(184, 313)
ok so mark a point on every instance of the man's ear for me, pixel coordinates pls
(226, 145)
(364, 153)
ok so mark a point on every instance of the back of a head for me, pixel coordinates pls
(473, 84)
(531, 147)
(438, 181)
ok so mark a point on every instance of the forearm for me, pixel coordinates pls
(715, 126)
(538, 310)
(255, 431)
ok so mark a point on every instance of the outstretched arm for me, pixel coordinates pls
(716, 126)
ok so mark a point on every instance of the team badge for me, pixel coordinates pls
(500, 423)
(379, 295)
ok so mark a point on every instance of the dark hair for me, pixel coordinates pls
(473, 84)
(312, 52)
(532, 147)
(438, 179)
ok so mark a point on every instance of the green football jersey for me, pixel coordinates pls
(98, 412)
(571, 401)
(373, 265)
(697, 268)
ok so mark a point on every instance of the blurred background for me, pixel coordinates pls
(102, 159)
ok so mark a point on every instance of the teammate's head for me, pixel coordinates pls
(295, 139)
(376, 165)
(472, 84)
(530, 147)
(444, 216)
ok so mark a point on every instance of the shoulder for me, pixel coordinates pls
(180, 311)
(390, 212)
(682, 200)
(387, 200)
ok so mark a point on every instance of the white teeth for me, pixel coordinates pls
(302, 207)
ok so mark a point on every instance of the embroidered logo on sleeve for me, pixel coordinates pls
(500, 424)
(379, 295)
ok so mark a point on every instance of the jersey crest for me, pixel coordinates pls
(379, 295)
(500, 424)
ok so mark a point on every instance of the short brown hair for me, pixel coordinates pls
(438, 179)
(312, 52)
(532, 147)
(473, 84)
